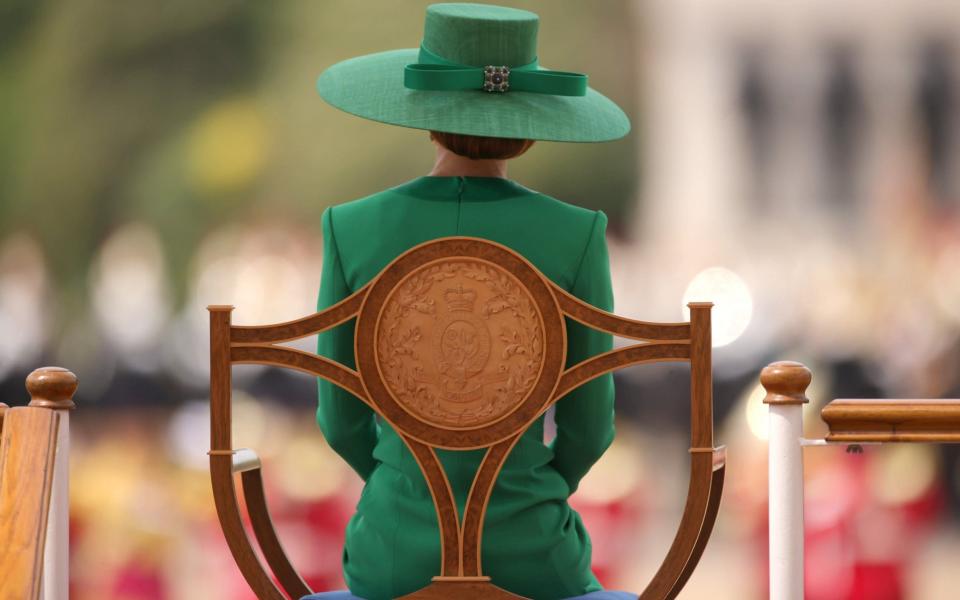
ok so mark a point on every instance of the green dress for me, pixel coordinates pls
(534, 544)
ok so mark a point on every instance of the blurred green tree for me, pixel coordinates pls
(188, 115)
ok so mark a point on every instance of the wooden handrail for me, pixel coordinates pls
(893, 420)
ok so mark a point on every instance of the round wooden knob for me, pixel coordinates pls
(52, 387)
(786, 382)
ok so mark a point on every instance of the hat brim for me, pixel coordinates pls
(371, 86)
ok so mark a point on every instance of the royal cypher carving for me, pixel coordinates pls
(460, 343)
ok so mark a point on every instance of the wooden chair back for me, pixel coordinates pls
(28, 456)
(460, 344)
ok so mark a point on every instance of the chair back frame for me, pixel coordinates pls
(429, 363)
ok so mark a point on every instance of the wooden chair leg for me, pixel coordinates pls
(228, 511)
(713, 507)
(266, 534)
(681, 557)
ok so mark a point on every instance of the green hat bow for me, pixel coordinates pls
(434, 72)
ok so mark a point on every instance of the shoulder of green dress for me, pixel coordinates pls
(570, 210)
(581, 228)
(353, 209)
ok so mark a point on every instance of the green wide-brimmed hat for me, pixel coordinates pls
(476, 72)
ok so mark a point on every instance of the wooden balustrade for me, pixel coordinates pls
(34, 451)
(850, 421)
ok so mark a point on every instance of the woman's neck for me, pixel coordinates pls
(449, 164)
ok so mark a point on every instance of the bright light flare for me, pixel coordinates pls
(757, 412)
(732, 302)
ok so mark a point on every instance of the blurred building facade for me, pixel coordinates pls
(814, 150)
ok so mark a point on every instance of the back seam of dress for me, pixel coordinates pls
(459, 202)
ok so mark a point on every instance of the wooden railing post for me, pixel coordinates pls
(786, 384)
(53, 388)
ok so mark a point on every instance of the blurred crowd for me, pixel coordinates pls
(795, 164)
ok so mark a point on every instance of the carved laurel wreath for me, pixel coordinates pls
(402, 365)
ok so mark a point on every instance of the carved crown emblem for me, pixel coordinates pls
(459, 299)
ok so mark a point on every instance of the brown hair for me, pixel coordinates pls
(477, 147)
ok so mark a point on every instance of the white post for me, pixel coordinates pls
(786, 502)
(786, 383)
(53, 388)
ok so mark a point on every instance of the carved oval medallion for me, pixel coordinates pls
(460, 343)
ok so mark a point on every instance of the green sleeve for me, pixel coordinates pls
(584, 417)
(348, 424)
